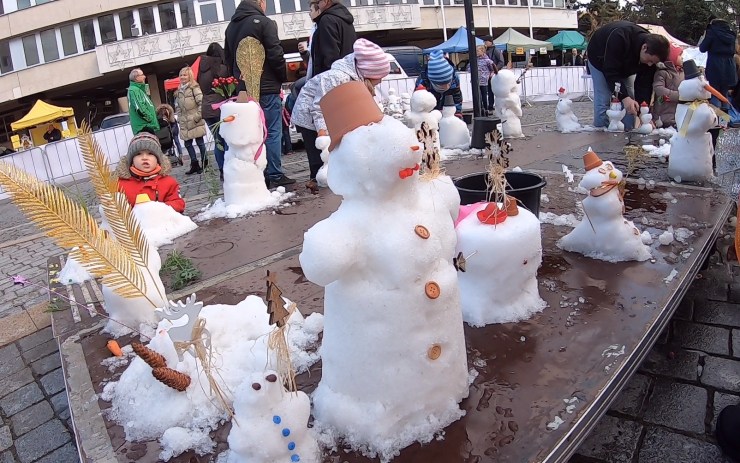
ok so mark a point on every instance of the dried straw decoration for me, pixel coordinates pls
(172, 378)
(278, 338)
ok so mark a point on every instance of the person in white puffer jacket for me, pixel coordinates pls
(368, 64)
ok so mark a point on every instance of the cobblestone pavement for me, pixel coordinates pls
(665, 414)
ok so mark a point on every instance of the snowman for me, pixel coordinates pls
(615, 113)
(271, 423)
(322, 143)
(453, 131)
(508, 105)
(503, 246)
(390, 377)
(691, 147)
(394, 104)
(566, 120)
(160, 223)
(646, 120)
(405, 102)
(604, 233)
(422, 110)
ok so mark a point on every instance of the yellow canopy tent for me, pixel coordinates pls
(40, 116)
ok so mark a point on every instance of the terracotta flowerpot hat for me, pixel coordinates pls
(347, 107)
(591, 160)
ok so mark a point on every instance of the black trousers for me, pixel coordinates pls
(490, 97)
(314, 154)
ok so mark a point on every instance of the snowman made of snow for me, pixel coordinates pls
(615, 113)
(453, 131)
(604, 233)
(567, 121)
(422, 110)
(271, 423)
(691, 146)
(646, 120)
(505, 86)
(242, 127)
(393, 355)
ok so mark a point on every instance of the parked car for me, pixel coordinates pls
(114, 121)
(410, 59)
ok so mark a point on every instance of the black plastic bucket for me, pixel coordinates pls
(526, 187)
(481, 126)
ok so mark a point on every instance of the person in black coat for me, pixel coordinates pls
(719, 44)
(249, 20)
(213, 66)
(52, 134)
(334, 36)
(617, 51)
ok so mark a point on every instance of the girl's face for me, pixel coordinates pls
(184, 78)
(480, 52)
(145, 161)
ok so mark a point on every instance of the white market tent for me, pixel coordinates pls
(513, 40)
(660, 30)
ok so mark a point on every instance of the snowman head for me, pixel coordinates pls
(242, 123)
(644, 109)
(598, 172)
(504, 83)
(561, 93)
(694, 89)
(259, 393)
(391, 92)
(616, 105)
(422, 100)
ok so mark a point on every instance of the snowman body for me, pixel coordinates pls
(160, 223)
(646, 120)
(615, 113)
(395, 108)
(271, 423)
(323, 143)
(405, 102)
(604, 233)
(565, 118)
(453, 131)
(691, 146)
(422, 110)
(374, 258)
(508, 105)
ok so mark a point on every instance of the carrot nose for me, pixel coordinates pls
(415, 148)
(612, 174)
(714, 92)
(229, 118)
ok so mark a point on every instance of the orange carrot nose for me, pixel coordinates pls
(229, 118)
(415, 148)
(714, 92)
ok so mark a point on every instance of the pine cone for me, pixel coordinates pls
(153, 358)
(172, 378)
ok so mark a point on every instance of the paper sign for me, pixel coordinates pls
(519, 51)
(532, 51)
(543, 50)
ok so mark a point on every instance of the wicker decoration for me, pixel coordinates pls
(152, 358)
(172, 378)
(250, 59)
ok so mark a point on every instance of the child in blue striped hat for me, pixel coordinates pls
(439, 78)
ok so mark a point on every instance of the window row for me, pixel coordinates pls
(8, 6)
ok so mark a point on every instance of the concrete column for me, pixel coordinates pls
(153, 82)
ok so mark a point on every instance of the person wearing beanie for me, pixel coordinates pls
(439, 78)
(145, 170)
(368, 63)
(665, 86)
(334, 36)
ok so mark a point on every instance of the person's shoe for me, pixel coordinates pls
(221, 174)
(313, 186)
(726, 430)
(281, 181)
(194, 168)
(288, 153)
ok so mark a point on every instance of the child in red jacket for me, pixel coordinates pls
(144, 171)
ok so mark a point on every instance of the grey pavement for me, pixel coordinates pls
(666, 413)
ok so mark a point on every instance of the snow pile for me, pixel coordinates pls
(567, 220)
(161, 224)
(73, 272)
(177, 440)
(646, 238)
(663, 150)
(221, 209)
(666, 237)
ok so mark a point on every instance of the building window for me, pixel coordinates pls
(559, 4)
(6, 61)
(49, 45)
(229, 7)
(24, 4)
(107, 28)
(30, 50)
(87, 31)
(146, 17)
(126, 18)
(69, 42)
(548, 4)
(39, 2)
(167, 16)
(187, 13)
(209, 12)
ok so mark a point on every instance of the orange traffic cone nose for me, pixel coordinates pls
(714, 92)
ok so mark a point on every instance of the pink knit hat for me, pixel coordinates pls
(371, 60)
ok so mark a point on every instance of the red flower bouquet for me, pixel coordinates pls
(225, 86)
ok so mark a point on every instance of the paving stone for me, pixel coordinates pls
(6, 439)
(46, 364)
(721, 373)
(30, 418)
(66, 454)
(705, 338)
(661, 445)
(672, 361)
(20, 399)
(736, 343)
(10, 360)
(35, 339)
(60, 402)
(53, 382)
(721, 401)
(7, 457)
(15, 381)
(677, 406)
(632, 398)
(612, 439)
(42, 440)
(40, 351)
(734, 293)
(717, 313)
(685, 310)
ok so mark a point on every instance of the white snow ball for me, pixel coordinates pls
(517, 169)
(280, 189)
(665, 238)
(733, 221)
(646, 238)
(677, 179)
(177, 440)
(544, 198)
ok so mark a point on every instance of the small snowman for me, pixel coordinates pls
(691, 147)
(616, 113)
(323, 143)
(422, 110)
(271, 423)
(394, 107)
(505, 86)
(405, 102)
(604, 233)
(453, 131)
(646, 119)
(567, 121)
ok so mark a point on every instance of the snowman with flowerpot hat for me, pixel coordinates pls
(567, 121)
(453, 131)
(691, 147)
(646, 119)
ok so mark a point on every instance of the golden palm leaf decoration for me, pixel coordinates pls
(69, 225)
(96, 163)
(250, 59)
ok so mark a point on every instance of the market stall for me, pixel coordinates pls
(38, 120)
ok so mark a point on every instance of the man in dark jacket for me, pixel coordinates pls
(334, 35)
(718, 43)
(439, 78)
(249, 20)
(617, 51)
(213, 66)
(497, 56)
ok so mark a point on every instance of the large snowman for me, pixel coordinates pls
(453, 131)
(565, 118)
(505, 86)
(604, 233)
(691, 147)
(393, 353)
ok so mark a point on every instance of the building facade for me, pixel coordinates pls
(78, 52)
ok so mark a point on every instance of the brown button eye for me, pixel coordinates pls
(256, 386)
(271, 378)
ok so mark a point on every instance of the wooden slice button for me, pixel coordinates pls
(434, 352)
(422, 231)
(432, 290)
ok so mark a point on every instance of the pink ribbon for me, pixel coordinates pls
(218, 105)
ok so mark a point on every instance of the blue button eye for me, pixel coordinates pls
(295, 457)
(286, 432)
(291, 445)
(276, 419)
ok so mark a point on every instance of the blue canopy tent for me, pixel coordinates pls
(567, 40)
(458, 43)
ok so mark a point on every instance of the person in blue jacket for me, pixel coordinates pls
(439, 78)
(719, 44)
